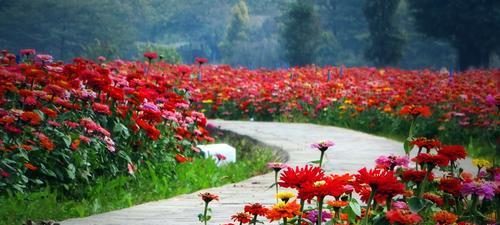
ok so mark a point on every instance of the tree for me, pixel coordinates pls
(236, 32)
(386, 40)
(66, 28)
(301, 33)
(471, 27)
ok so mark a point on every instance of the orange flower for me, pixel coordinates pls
(31, 117)
(283, 210)
(415, 111)
(444, 218)
(30, 166)
(337, 204)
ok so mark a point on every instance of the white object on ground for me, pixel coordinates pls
(212, 150)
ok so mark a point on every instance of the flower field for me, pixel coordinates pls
(66, 124)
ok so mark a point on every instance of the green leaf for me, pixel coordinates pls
(314, 162)
(416, 204)
(355, 207)
(67, 140)
(71, 170)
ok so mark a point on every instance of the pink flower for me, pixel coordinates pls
(390, 162)
(220, 157)
(323, 145)
(276, 166)
(151, 55)
(131, 168)
(28, 51)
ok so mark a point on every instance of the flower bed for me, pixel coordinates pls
(68, 124)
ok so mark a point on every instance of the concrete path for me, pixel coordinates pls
(352, 151)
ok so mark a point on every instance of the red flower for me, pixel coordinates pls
(28, 51)
(298, 177)
(242, 217)
(4, 174)
(30, 166)
(208, 197)
(182, 159)
(450, 185)
(31, 117)
(283, 210)
(375, 178)
(182, 69)
(434, 198)
(434, 160)
(416, 176)
(423, 142)
(415, 111)
(398, 216)
(256, 209)
(201, 60)
(101, 108)
(151, 55)
(453, 152)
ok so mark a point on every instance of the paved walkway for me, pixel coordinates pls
(352, 151)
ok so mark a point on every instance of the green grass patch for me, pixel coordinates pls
(153, 182)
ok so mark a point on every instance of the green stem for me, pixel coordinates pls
(388, 202)
(254, 219)
(276, 183)
(285, 221)
(321, 158)
(424, 182)
(205, 213)
(368, 206)
(320, 210)
(302, 203)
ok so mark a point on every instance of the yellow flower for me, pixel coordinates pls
(207, 101)
(348, 101)
(285, 195)
(482, 163)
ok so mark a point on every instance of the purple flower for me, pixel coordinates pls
(276, 166)
(313, 216)
(484, 189)
(389, 162)
(151, 106)
(490, 99)
(400, 205)
(323, 145)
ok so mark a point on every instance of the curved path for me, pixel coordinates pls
(353, 150)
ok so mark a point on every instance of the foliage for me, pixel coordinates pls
(151, 182)
(236, 33)
(301, 33)
(386, 41)
(471, 27)
(38, 24)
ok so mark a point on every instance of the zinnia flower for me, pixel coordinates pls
(416, 176)
(398, 216)
(323, 145)
(256, 209)
(390, 162)
(431, 160)
(283, 210)
(151, 55)
(479, 188)
(445, 218)
(208, 197)
(450, 185)
(313, 216)
(453, 152)
(481, 163)
(415, 111)
(242, 217)
(276, 166)
(298, 177)
(285, 195)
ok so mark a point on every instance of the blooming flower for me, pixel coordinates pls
(242, 217)
(285, 195)
(453, 152)
(390, 162)
(479, 188)
(444, 217)
(450, 185)
(283, 210)
(402, 217)
(256, 209)
(313, 216)
(415, 111)
(151, 55)
(298, 177)
(208, 197)
(276, 166)
(431, 160)
(481, 163)
(323, 145)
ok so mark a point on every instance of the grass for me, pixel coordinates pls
(153, 182)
